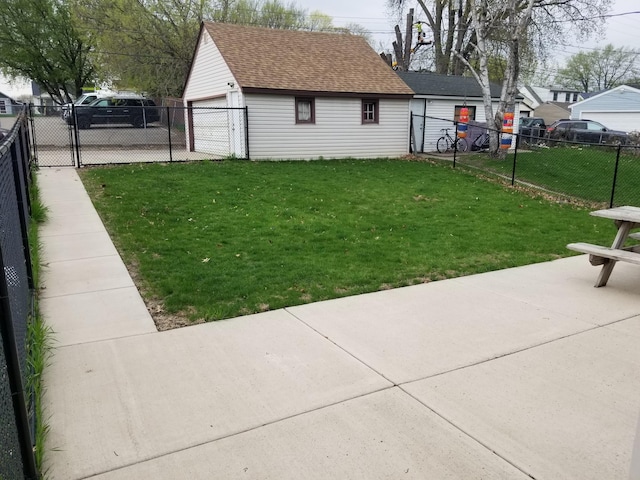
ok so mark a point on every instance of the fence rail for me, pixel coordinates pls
(16, 304)
(596, 173)
(91, 135)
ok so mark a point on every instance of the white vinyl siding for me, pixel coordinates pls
(445, 109)
(338, 131)
(617, 109)
(210, 76)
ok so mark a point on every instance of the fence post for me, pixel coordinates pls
(455, 145)
(33, 132)
(515, 155)
(615, 176)
(169, 130)
(246, 131)
(76, 137)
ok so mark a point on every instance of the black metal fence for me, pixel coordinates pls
(16, 304)
(98, 135)
(596, 173)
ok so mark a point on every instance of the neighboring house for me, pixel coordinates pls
(8, 106)
(308, 95)
(561, 94)
(551, 103)
(441, 96)
(617, 108)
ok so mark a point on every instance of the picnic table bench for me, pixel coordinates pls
(626, 219)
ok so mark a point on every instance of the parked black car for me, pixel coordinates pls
(116, 110)
(531, 129)
(585, 131)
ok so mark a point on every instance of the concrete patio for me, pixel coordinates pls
(529, 372)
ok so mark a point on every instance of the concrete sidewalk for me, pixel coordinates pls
(519, 373)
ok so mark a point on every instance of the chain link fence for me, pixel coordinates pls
(134, 130)
(600, 174)
(16, 304)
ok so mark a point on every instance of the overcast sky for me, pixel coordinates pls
(622, 31)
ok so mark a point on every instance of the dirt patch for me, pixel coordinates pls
(168, 321)
(163, 319)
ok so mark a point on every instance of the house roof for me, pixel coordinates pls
(429, 83)
(283, 61)
(530, 91)
(621, 88)
(3, 95)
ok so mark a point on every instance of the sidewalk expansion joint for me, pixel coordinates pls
(42, 292)
(52, 262)
(515, 352)
(359, 360)
(240, 432)
(472, 437)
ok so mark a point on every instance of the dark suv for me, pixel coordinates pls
(116, 110)
(585, 131)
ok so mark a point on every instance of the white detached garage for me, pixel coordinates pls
(281, 94)
(616, 109)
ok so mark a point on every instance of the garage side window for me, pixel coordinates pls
(305, 110)
(370, 111)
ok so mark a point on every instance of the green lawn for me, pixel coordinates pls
(582, 172)
(214, 240)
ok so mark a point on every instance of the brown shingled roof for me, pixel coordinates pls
(291, 60)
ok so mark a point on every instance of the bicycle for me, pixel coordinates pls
(481, 142)
(447, 142)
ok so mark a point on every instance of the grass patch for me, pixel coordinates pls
(583, 172)
(39, 336)
(220, 239)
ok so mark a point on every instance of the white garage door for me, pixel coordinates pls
(211, 127)
(625, 121)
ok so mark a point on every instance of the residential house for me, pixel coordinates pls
(307, 95)
(551, 103)
(8, 106)
(437, 103)
(617, 108)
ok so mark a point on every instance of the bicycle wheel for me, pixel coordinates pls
(442, 145)
(463, 146)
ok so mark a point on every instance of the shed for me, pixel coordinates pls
(437, 102)
(617, 108)
(307, 95)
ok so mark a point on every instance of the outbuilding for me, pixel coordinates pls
(263, 93)
(437, 102)
(617, 108)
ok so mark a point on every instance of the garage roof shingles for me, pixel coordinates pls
(291, 60)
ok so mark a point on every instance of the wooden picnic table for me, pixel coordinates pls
(626, 219)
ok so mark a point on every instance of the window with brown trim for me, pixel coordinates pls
(456, 112)
(370, 109)
(305, 110)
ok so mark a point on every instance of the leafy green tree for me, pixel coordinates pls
(40, 40)
(600, 69)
